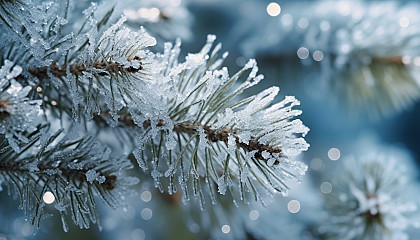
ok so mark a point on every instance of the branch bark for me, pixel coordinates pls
(212, 135)
(78, 69)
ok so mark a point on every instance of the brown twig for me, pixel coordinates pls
(79, 68)
(212, 135)
(4, 113)
(398, 60)
(77, 174)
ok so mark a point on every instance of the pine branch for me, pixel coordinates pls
(17, 111)
(71, 175)
(213, 135)
(370, 65)
(5, 15)
(73, 171)
(379, 190)
(4, 112)
(190, 124)
(207, 135)
(79, 68)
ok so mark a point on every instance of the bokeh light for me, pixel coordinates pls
(334, 154)
(48, 197)
(293, 206)
(303, 53)
(146, 196)
(404, 22)
(225, 229)
(254, 215)
(316, 164)
(273, 9)
(326, 187)
(146, 213)
(318, 56)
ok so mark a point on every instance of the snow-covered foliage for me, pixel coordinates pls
(191, 129)
(373, 197)
(213, 137)
(17, 110)
(64, 171)
(365, 52)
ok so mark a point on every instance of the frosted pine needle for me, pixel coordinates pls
(366, 53)
(212, 137)
(372, 198)
(17, 111)
(67, 172)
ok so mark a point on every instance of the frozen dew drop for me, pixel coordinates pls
(303, 53)
(273, 9)
(225, 229)
(334, 154)
(293, 206)
(54, 103)
(39, 89)
(32, 41)
(254, 215)
(146, 213)
(146, 196)
(404, 22)
(318, 56)
(326, 187)
(48, 198)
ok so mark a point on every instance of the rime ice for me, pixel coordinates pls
(17, 111)
(220, 139)
(372, 198)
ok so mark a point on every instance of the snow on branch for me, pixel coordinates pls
(69, 172)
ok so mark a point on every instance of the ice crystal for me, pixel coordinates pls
(17, 111)
(71, 171)
(127, 71)
(220, 139)
(191, 130)
(372, 198)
